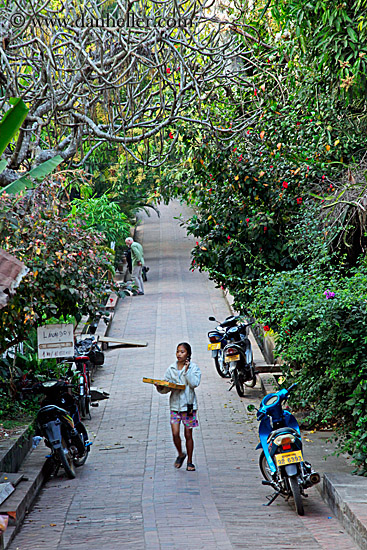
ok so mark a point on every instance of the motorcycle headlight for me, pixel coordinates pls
(284, 439)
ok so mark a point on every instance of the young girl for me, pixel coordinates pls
(183, 403)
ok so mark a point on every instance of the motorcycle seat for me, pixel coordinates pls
(285, 430)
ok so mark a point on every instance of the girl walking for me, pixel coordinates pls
(183, 403)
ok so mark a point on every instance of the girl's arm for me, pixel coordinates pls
(192, 375)
(164, 389)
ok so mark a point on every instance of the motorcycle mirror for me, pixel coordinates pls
(251, 408)
(212, 319)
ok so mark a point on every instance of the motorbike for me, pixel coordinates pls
(218, 342)
(58, 423)
(281, 460)
(239, 358)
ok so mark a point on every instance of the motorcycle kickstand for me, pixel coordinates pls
(272, 498)
(233, 384)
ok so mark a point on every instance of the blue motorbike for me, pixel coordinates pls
(217, 343)
(281, 460)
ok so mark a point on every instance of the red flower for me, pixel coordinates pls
(255, 92)
(265, 229)
(235, 149)
(285, 184)
(266, 328)
(170, 135)
(247, 220)
(299, 200)
(271, 166)
(240, 158)
(228, 238)
(197, 243)
(323, 177)
(210, 191)
(168, 70)
(248, 132)
(298, 123)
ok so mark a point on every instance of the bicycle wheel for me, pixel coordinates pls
(84, 435)
(82, 406)
(66, 459)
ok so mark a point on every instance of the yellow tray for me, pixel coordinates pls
(164, 383)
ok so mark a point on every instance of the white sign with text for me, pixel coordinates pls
(55, 341)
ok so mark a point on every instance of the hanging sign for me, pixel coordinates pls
(55, 341)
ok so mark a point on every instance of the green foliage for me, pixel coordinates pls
(11, 122)
(332, 37)
(69, 270)
(321, 340)
(103, 215)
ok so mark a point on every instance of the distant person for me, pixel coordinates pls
(137, 262)
(183, 403)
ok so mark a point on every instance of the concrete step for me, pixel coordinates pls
(35, 469)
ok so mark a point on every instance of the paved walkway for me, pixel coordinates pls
(128, 495)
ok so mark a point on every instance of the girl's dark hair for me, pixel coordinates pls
(187, 348)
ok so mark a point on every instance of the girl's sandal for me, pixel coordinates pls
(179, 461)
(190, 467)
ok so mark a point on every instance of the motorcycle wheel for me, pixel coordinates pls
(239, 384)
(293, 482)
(264, 467)
(222, 370)
(66, 459)
(84, 435)
(252, 382)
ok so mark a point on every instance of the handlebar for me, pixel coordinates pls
(292, 386)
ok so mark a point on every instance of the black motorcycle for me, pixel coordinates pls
(218, 341)
(239, 358)
(58, 422)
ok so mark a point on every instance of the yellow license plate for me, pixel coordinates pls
(288, 458)
(230, 358)
(214, 346)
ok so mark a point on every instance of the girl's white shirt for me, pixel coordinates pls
(179, 399)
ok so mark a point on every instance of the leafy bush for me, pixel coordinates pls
(69, 270)
(319, 316)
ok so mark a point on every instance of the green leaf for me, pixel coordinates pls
(3, 165)
(11, 122)
(38, 173)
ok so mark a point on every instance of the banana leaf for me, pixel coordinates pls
(38, 173)
(11, 122)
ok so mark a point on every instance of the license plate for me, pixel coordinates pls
(230, 358)
(214, 346)
(288, 458)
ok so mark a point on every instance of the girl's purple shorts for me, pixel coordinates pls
(189, 420)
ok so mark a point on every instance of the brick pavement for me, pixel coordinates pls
(128, 495)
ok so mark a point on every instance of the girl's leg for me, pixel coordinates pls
(189, 444)
(176, 438)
